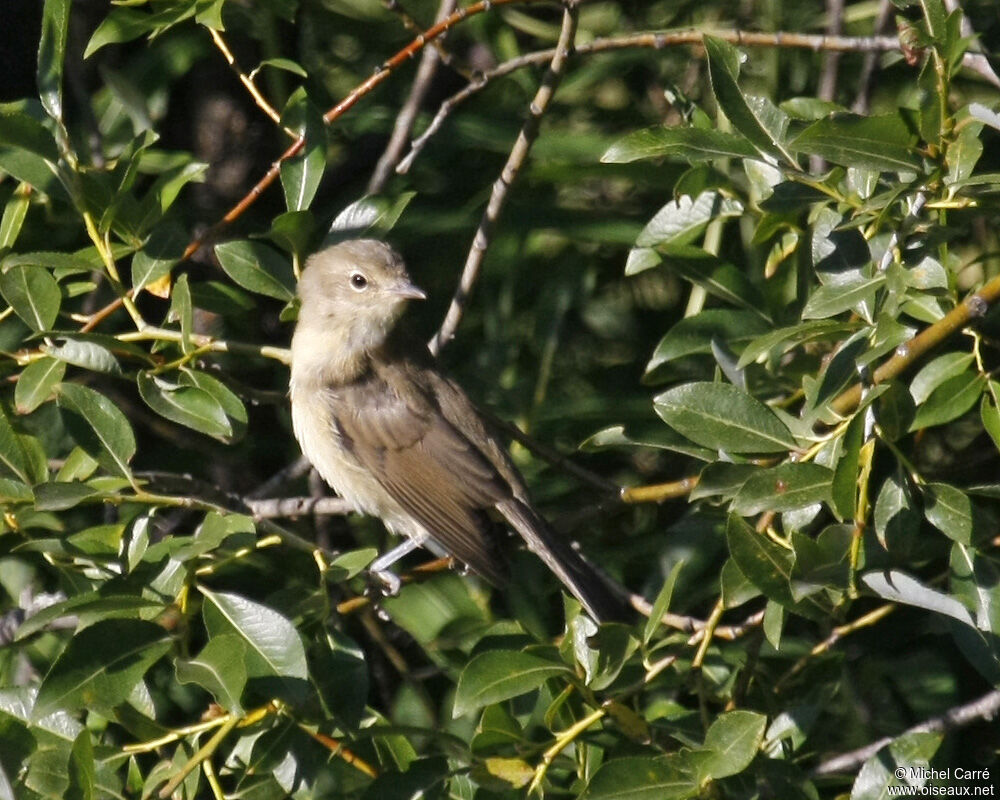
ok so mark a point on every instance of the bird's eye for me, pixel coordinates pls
(358, 282)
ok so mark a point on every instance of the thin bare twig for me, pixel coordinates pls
(655, 41)
(501, 187)
(248, 82)
(863, 100)
(985, 707)
(415, 27)
(277, 507)
(407, 116)
(827, 85)
(286, 475)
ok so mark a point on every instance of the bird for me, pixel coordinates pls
(398, 440)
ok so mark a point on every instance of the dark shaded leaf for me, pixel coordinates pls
(101, 666)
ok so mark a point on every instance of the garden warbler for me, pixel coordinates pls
(400, 441)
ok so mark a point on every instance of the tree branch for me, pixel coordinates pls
(509, 173)
(986, 707)
(407, 116)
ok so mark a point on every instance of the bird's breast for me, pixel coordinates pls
(315, 426)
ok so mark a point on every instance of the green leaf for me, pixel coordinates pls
(498, 675)
(989, 412)
(285, 64)
(833, 299)
(681, 220)
(181, 310)
(87, 352)
(892, 765)
(369, 215)
(88, 607)
(33, 294)
(162, 250)
(29, 168)
(949, 510)
(13, 457)
(661, 438)
(694, 335)
(661, 604)
(124, 24)
(898, 587)
(37, 383)
(660, 778)
(879, 142)
(274, 648)
(14, 213)
(82, 770)
(101, 666)
(340, 673)
(733, 739)
(894, 410)
(12, 491)
(721, 417)
(301, 174)
(718, 278)
(844, 489)
(768, 566)
(950, 400)
(783, 488)
(224, 396)
(895, 516)
(840, 370)
(220, 669)
(257, 267)
(52, 54)
(692, 144)
(975, 581)
(758, 120)
(185, 405)
(23, 132)
(937, 372)
(98, 426)
(502, 773)
(784, 339)
(59, 495)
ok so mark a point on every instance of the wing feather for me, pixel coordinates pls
(437, 475)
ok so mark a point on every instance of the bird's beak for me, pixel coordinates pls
(409, 291)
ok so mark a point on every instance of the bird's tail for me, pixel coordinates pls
(584, 582)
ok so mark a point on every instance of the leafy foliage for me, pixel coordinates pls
(767, 311)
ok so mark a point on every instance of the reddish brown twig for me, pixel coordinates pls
(381, 74)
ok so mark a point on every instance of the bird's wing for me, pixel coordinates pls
(425, 464)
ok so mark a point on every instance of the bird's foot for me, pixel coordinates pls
(383, 582)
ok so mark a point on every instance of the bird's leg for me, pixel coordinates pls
(380, 566)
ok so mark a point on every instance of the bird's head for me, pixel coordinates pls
(354, 291)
